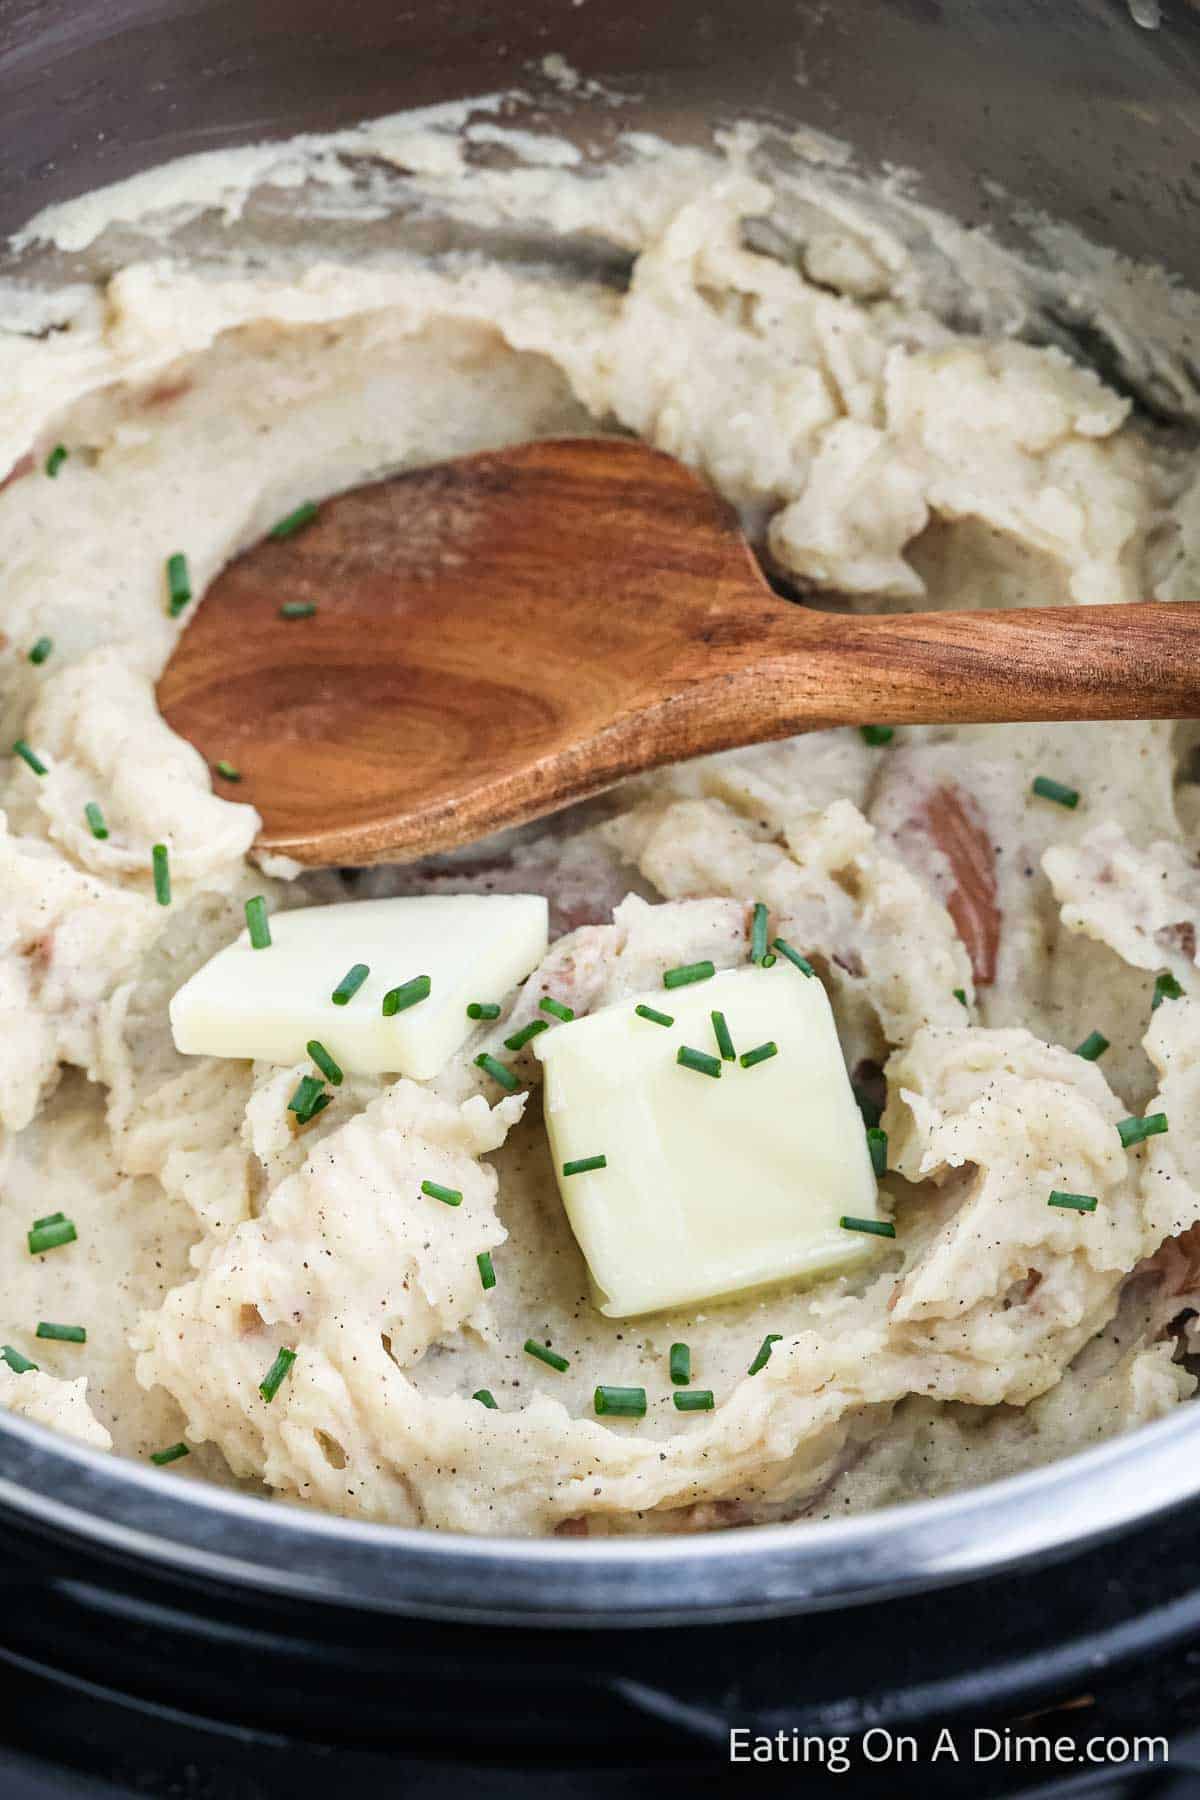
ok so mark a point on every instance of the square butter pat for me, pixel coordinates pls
(711, 1185)
(267, 1004)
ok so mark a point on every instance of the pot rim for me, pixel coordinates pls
(211, 1534)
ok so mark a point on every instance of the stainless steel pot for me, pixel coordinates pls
(1075, 109)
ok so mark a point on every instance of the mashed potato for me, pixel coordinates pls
(970, 934)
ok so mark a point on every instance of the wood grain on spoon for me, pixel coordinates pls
(499, 636)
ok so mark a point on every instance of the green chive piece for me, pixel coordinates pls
(498, 1071)
(227, 772)
(1075, 1202)
(620, 1402)
(483, 1009)
(162, 874)
(877, 1145)
(487, 1274)
(1093, 1046)
(56, 459)
(1165, 988)
(679, 1363)
(960, 994)
(63, 1334)
(545, 1354)
(258, 924)
(320, 1055)
(758, 933)
(307, 1092)
(349, 985)
(172, 1453)
(485, 1398)
(584, 1165)
(179, 583)
(655, 1018)
(399, 999)
(699, 1060)
(793, 955)
(20, 1365)
(41, 650)
(872, 1227)
(876, 734)
(95, 819)
(295, 521)
(556, 1009)
(1046, 789)
(697, 1400)
(1133, 1131)
(51, 1234)
(447, 1195)
(520, 1038)
(273, 1380)
(761, 1053)
(28, 756)
(871, 1111)
(297, 609)
(764, 1352)
(686, 973)
(721, 1033)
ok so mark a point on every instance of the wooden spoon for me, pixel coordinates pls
(498, 636)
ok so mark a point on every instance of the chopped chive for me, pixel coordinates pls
(41, 650)
(162, 874)
(1093, 1046)
(172, 1453)
(95, 819)
(399, 999)
(721, 1033)
(520, 1038)
(349, 985)
(872, 1227)
(1133, 1131)
(960, 994)
(556, 1009)
(307, 1092)
(297, 609)
(56, 459)
(485, 1398)
(1165, 988)
(179, 583)
(679, 1363)
(655, 1018)
(620, 1402)
(483, 1009)
(758, 933)
(51, 1234)
(545, 1354)
(498, 1071)
(63, 1334)
(273, 1380)
(1046, 789)
(295, 521)
(878, 1146)
(697, 1400)
(687, 973)
(320, 1055)
(447, 1195)
(870, 1109)
(793, 955)
(487, 1274)
(877, 734)
(761, 1053)
(227, 772)
(764, 1352)
(699, 1060)
(28, 756)
(20, 1365)
(258, 923)
(1075, 1202)
(584, 1165)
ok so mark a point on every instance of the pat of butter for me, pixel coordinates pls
(711, 1185)
(267, 1004)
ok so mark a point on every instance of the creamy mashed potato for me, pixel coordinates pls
(971, 935)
